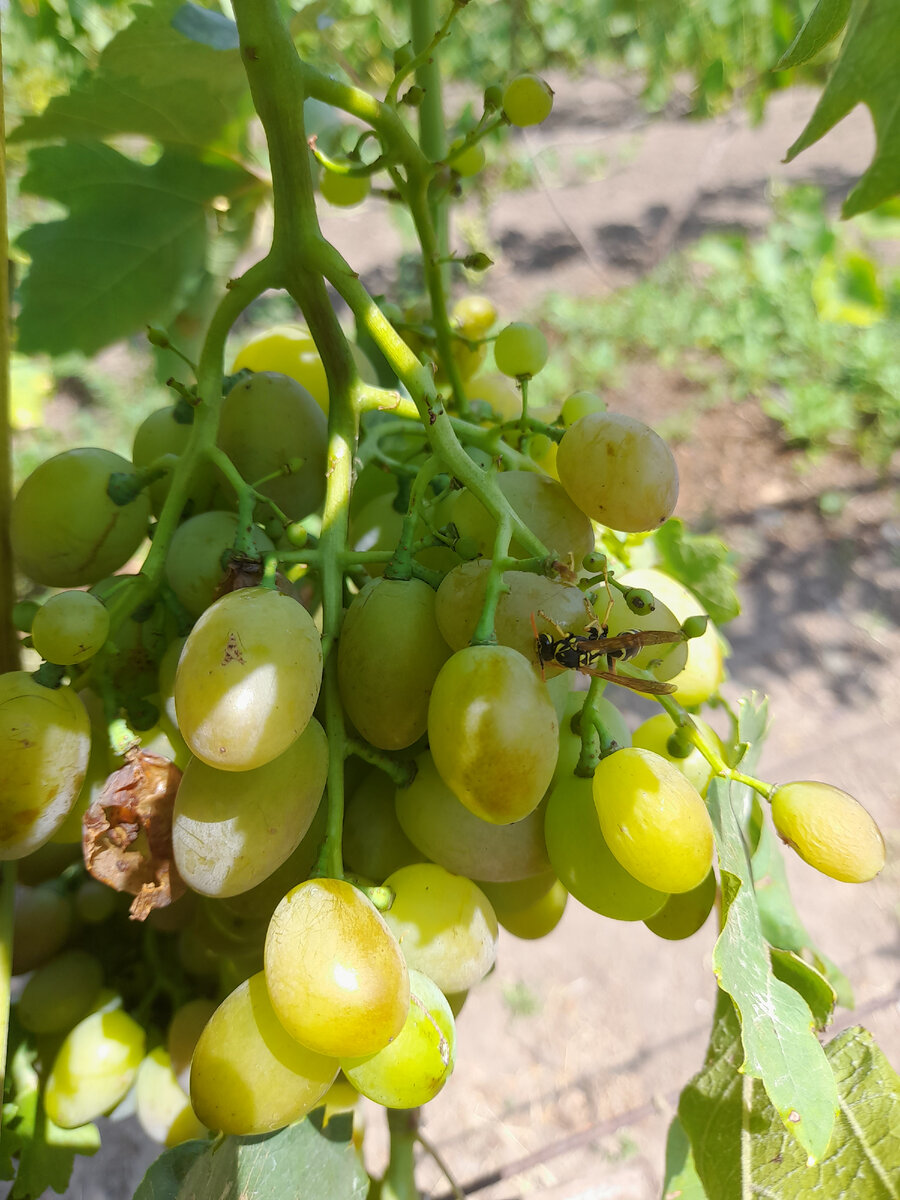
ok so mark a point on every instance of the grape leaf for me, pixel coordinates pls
(704, 564)
(303, 1162)
(682, 1181)
(804, 978)
(739, 1144)
(780, 1047)
(152, 80)
(207, 27)
(822, 26)
(134, 244)
(866, 72)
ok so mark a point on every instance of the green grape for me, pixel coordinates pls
(528, 908)
(473, 316)
(527, 100)
(101, 762)
(469, 361)
(42, 924)
(374, 842)
(493, 732)
(231, 830)
(342, 1096)
(829, 830)
(168, 668)
(70, 628)
(377, 526)
(540, 502)
(578, 405)
(248, 679)
(94, 1068)
(654, 734)
(684, 913)
(248, 1075)
(530, 598)
(187, 1023)
(704, 671)
(618, 471)
(159, 434)
(162, 1106)
(60, 992)
(466, 161)
(585, 864)
(665, 660)
(194, 562)
(61, 543)
(497, 391)
(267, 422)
(289, 350)
(45, 736)
(413, 1068)
(520, 350)
(613, 722)
(654, 820)
(449, 834)
(95, 902)
(389, 655)
(344, 191)
(444, 924)
(334, 971)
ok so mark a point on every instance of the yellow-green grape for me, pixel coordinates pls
(448, 833)
(614, 723)
(62, 541)
(413, 1068)
(704, 671)
(334, 971)
(468, 359)
(829, 830)
(473, 316)
(665, 659)
(101, 762)
(528, 908)
(541, 503)
(444, 924)
(377, 526)
(290, 350)
(196, 561)
(654, 734)
(389, 655)
(578, 405)
(654, 821)
(161, 1104)
(60, 992)
(618, 471)
(248, 679)
(95, 902)
(248, 1075)
(529, 597)
(499, 392)
(466, 160)
(493, 732)
(342, 1096)
(231, 830)
(583, 861)
(527, 100)
(94, 1068)
(520, 350)
(342, 190)
(70, 628)
(684, 913)
(374, 842)
(271, 423)
(168, 668)
(162, 433)
(187, 1023)
(41, 925)
(45, 736)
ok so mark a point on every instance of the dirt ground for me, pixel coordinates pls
(576, 1047)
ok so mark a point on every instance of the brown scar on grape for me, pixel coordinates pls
(233, 650)
(127, 833)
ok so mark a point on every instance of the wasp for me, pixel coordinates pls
(584, 653)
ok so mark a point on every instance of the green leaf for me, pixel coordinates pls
(822, 26)
(810, 983)
(302, 1162)
(704, 564)
(780, 1047)
(781, 925)
(132, 248)
(741, 1148)
(682, 1181)
(866, 72)
(150, 80)
(207, 27)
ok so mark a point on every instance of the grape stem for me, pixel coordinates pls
(401, 565)
(495, 586)
(402, 772)
(399, 1178)
(683, 721)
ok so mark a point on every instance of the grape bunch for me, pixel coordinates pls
(318, 830)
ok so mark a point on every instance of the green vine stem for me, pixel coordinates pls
(399, 1179)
